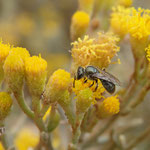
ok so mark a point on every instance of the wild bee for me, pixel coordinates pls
(108, 81)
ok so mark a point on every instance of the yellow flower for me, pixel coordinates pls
(1, 146)
(36, 73)
(22, 52)
(110, 106)
(4, 52)
(119, 20)
(139, 23)
(79, 24)
(84, 100)
(147, 49)
(130, 20)
(26, 139)
(80, 85)
(97, 52)
(58, 85)
(5, 104)
(14, 71)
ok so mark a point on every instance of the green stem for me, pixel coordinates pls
(76, 132)
(139, 139)
(19, 97)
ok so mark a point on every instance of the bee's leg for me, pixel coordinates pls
(74, 81)
(91, 84)
(96, 85)
(85, 79)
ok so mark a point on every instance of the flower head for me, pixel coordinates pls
(22, 52)
(26, 139)
(119, 20)
(130, 20)
(4, 51)
(14, 71)
(79, 24)
(36, 72)
(84, 100)
(80, 85)
(58, 85)
(97, 52)
(5, 104)
(110, 106)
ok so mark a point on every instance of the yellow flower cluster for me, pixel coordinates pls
(110, 106)
(130, 20)
(97, 52)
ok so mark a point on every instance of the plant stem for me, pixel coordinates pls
(23, 105)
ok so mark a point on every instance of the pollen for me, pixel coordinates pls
(22, 52)
(97, 51)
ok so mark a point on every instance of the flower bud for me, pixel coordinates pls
(4, 52)
(5, 105)
(57, 87)
(14, 72)
(22, 52)
(84, 100)
(36, 73)
(79, 24)
(110, 106)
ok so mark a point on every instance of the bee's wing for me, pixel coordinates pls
(108, 77)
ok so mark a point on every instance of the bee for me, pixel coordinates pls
(108, 81)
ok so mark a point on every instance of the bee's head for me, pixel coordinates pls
(80, 73)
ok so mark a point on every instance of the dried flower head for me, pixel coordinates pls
(5, 104)
(97, 52)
